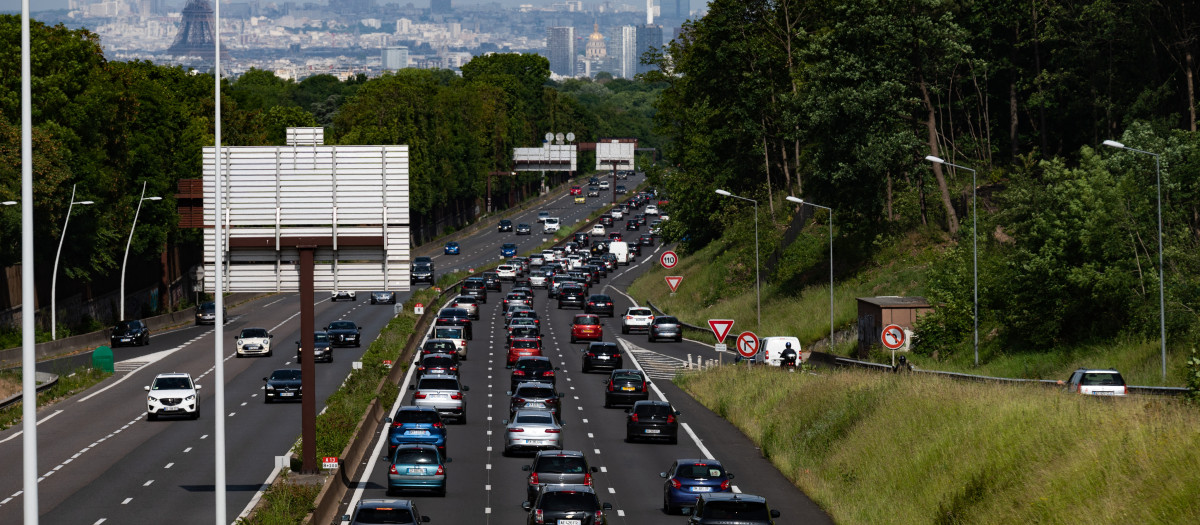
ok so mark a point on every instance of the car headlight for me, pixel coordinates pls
(270, 387)
(151, 399)
(190, 398)
(239, 342)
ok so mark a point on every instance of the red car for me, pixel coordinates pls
(576, 190)
(522, 347)
(586, 327)
(614, 236)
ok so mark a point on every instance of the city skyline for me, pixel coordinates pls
(14, 6)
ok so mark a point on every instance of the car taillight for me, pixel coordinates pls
(591, 354)
(397, 425)
(518, 372)
(643, 386)
(599, 517)
(456, 396)
(533, 478)
(392, 470)
(438, 425)
(552, 431)
(537, 517)
(418, 395)
(633, 417)
(725, 485)
(675, 483)
(670, 418)
(516, 430)
(610, 387)
(587, 479)
(518, 400)
(628, 317)
(421, 368)
(548, 373)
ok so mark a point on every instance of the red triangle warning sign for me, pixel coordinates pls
(673, 281)
(720, 328)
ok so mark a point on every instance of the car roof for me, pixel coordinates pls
(173, 374)
(732, 496)
(558, 452)
(380, 502)
(568, 488)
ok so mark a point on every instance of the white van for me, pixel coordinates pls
(550, 225)
(621, 250)
(770, 348)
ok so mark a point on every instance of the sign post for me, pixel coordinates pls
(747, 345)
(673, 282)
(893, 339)
(668, 259)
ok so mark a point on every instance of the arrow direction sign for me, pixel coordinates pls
(720, 328)
(673, 282)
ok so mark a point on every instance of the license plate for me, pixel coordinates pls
(126, 339)
(652, 431)
(285, 394)
(627, 388)
(252, 347)
(570, 522)
(602, 357)
(416, 470)
(416, 432)
(701, 489)
(169, 409)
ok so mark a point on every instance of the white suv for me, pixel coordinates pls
(1097, 382)
(172, 395)
(637, 318)
(550, 225)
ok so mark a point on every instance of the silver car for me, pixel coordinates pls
(532, 430)
(468, 303)
(665, 327)
(445, 394)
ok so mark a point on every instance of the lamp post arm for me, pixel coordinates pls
(54, 275)
(128, 243)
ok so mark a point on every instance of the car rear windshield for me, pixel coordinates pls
(604, 348)
(466, 299)
(534, 364)
(439, 345)
(438, 384)
(639, 311)
(452, 312)
(535, 392)
(665, 320)
(416, 416)
(1102, 379)
(448, 333)
(383, 515)
(438, 361)
(654, 411)
(534, 419)
(563, 500)
(525, 343)
(627, 377)
(700, 471)
(415, 455)
(561, 465)
(742, 510)
(587, 319)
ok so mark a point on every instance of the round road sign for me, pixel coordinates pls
(892, 336)
(747, 344)
(668, 259)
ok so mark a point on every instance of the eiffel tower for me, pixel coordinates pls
(195, 36)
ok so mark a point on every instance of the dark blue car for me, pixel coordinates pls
(508, 250)
(413, 424)
(452, 248)
(687, 479)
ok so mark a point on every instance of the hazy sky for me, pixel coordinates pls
(14, 6)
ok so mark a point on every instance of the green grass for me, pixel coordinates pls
(68, 385)
(284, 503)
(885, 448)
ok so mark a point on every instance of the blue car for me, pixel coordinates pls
(451, 248)
(687, 479)
(508, 250)
(417, 467)
(421, 425)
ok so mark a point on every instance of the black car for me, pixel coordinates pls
(282, 385)
(523, 331)
(625, 386)
(632, 225)
(651, 420)
(421, 273)
(505, 225)
(129, 333)
(567, 504)
(534, 395)
(475, 287)
(322, 348)
(606, 220)
(532, 368)
(570, 294)
(601, 355)
(598, 262)
(385, 511)
(438, 364)
(646, 240)
(455, 317)
(582, 238)
(731, 508)
(492, 281)
(524, 229)
(599, 304)
(593, 273)
(344, 333)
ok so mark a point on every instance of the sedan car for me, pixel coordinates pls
(532, 368)
(253, 341)
(651, 420)
(172, 395)
(625, 386)
(417, 467)
(383, 297)
(385, 511)
(505, 225)
(666, 327)
(206, 313)
(586, 327)
(531, 430)
(599, 304)
(601, 355)
(524, 229)
(414, 424)
(344, 333)
(452, 248)
(282, 385)
(444, 393)
(322, 349)
(129, 333)
(687, 479)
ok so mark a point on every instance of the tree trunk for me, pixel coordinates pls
(931, 125)
(889, 197)
(787, 172)
(767, 166)
(1191, 92)
(1013, 119)
(799, 183)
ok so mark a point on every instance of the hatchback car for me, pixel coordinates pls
(687, 479)
(532, 368)
(444, 393)
(636, 318)
(524, 229)
(383, 297)
(550, 225)
(282, 385)
(730, 508)
(531, 430)
(440, 363)
(666, 327)
(322, 350)
(505, 225)
(385, 511)
(625, 386)
(535, 396)
(570, 294)
(599, 304)
(344, 333)
(414, 424)
(452, 248)
(651, 420)
(601, 355)
(520, 347)
(130, 333)
(172, 395)
(586, 327)
(580, 199)
(417, 467)
(557, 467)
(567, 504)
(1097, 382)
(576, 190)
(206, 313)
(253, 341)
(475, 287)
(468, 303)
(508, 249)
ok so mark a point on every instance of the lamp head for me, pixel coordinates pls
(932, 158)
(8, 203)
(796, 200)
(1114, 144)
(153, 198)
(723, 192)
(85, 203)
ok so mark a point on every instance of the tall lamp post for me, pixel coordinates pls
(974, 246)
(130, 242)
(803, 202)
(757, 292)
(1162, 310)
(54, 276)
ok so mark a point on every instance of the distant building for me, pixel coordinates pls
(595, 48)
(675, 10)
(560, 49)
(395, 58)
(622, 47)
(440, 6)
(648, 36)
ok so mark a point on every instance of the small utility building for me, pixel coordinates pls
(874, 313)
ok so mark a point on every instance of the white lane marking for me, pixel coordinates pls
(663, 397)
(127, 500)
(40, 421)
(149, 359)
(147, 484)
(169, 465)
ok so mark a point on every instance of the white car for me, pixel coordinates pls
(616, 214)
(637, 318)
(550, 225)
(651, 209)
(506, 272)
(343, 294)
(455, 334)
(537, 280)
(537, 259)
(549, 256)
(172, 394)
(254, 341)
(598, 230)
(604, 184)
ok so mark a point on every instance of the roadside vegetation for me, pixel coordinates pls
(68, 384)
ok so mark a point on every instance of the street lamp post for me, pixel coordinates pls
(974, 246)
(1162, 309)
(54, 276)
(125, 260)
(757, 291)
(803, 202)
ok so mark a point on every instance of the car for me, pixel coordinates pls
(646, 239)
(570, 293)
(283, 385)
(344, 333)
(542, 216)
(567, 504)
(593, 191)
(635, 250)
(651, 209)
(322, 349)
(656, 227)
(528, 331)
(586, 327)
(615, 236)
(206, 313)
(581, 238)
(513, 310)
(338, 295)
(537, 259)
(550, 225)
(636, 318)
(580, 199)
(421, 273)
(524, 229)
(439, 346)
(129, 333)
(440, 363)
(253, 341)
(632, 225)
(506, 272)
(414, 424)
(514, 298)
(665, 327)
(520, 347)
(530, 429)
(686, 479)
(601, 354)
(505, 225)
(475, 287)
(732, 508)
(459, 317)
(455, 334)
(423, 259)
(442, 392)
(492, 281)
(599, 304)
(593, 273)
(557, 467)
(598, 262)
(621, 189)
(576, 190)
(385, 511)
(1097, 382)
(172, 394)
(532, 368)
(651, 420)
(383, 297)
(625, 386)
(534, 395)
(468, 303)
(604, 184)
(417, 467)
(539, 279)
(452, 248)
(606, 221)
(508, 249)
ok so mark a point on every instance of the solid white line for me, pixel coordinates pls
(40, 421)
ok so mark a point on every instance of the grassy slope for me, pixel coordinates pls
(881, 448)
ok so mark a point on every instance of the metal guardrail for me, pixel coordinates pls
(51, 380)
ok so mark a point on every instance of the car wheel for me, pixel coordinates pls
(625, 330)
(150, 416)
(238, 355)
(269, 353)
(333, 299)
(629, 438)
(573, 340)
(666, 505)
(607, 403)
(675, 439)
(196, 414)
(650, 337)
(586, 369)
(679, 339)
(357, 344)
(462, 420)
(560, 305)
(372, 300)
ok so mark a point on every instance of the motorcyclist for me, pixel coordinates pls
(788, 356)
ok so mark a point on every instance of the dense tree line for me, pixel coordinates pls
(840, 102)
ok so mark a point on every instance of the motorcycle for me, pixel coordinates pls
(787, 361)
